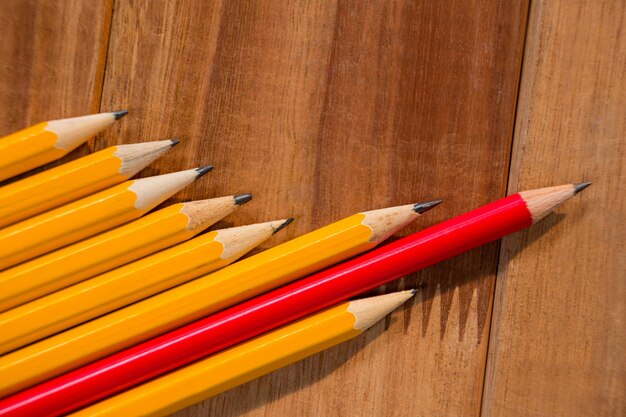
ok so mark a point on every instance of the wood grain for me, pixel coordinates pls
(322, 109)
(53, 55)
(558, 339)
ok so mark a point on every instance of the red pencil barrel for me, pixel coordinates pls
(236, 324)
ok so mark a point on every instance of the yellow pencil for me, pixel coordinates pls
(48, 141)
(249, 360)
(108, 250)
(68, 182)
(90, 215)
(202, 296)
(129, 283)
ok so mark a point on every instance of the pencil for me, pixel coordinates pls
(48, 141)
(247, 361)
(288, 303)
(187, 302)
(129, 283)
(76, 179)
(113, 248)
(90, 215)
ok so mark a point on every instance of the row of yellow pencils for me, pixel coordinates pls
(83, 275)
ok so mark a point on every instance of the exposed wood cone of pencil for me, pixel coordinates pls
(190, 301)
(73, 180)
(48, 141)
(249, 360)
(113, 248)
(130, 283)
(90, 215)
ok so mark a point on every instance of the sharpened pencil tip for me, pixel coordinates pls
(420, 208)
(579, 187)
(282, 226)
(242, 199)
(119, 114)
(203, 170)
(174, 142)
(413, 291)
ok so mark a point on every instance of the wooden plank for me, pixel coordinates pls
(53, 56)
(322, 109)
(558, 337)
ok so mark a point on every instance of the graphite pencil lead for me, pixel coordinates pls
(424, 207)
(203, 170)
(413, 291)
(242, 199)
(174, 142)
(282, 226)
(119, 114)
(579, 187)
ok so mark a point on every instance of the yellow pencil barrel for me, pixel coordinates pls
(200, 297)
(127, 284)
(111, 249)
(47, 141)
(87, 216)
(28, 149)
(46, 232)
(68, 182)
(248, 360)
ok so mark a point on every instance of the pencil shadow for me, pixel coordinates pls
(465, 279)
(471, 275)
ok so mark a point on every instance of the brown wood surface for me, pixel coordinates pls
(325, 108)
(558, 339)
(52, 60)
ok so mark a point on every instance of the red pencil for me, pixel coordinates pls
(201, 338)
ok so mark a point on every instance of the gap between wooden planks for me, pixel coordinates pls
(558, 337)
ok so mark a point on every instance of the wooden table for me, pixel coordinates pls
(324, 108)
